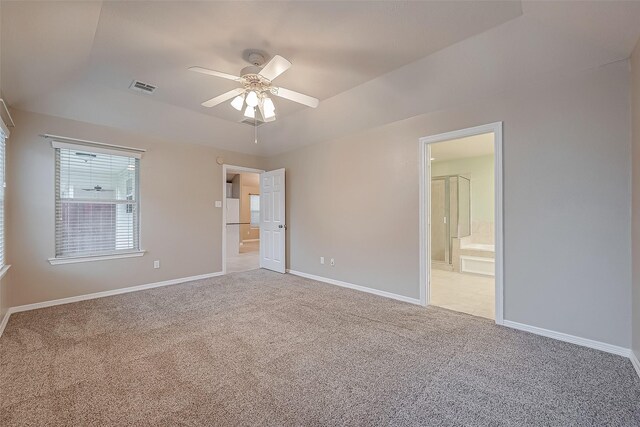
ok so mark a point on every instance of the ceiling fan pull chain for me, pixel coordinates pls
(255, 131)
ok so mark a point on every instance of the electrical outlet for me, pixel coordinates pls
(218, 203)
(333, 262)
(156, 263)
(321, 260)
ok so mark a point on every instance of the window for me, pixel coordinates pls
(2, 187)
(97, 201)
(254, 206)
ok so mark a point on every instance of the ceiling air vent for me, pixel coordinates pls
(143, 87)
(252, 122)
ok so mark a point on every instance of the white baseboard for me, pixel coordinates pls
(356, 287)
(585, 342)
(635, 362)
(3, 323)
(102, 294)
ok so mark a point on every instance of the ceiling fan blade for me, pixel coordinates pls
(215, 73)
(275, 67)
(307, 100)
(224, 97)
(264, 119)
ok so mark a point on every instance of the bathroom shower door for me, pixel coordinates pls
(464, 207)
(439, 226)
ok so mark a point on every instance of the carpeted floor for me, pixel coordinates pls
(260, 348)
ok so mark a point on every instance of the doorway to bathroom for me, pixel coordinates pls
(461, 221)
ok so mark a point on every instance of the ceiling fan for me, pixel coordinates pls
(256, 81)
(97, 188)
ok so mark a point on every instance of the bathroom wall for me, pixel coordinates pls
(481, 172)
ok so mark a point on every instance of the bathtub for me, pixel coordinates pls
(477, 246)
(476, 258)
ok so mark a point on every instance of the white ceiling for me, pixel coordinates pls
(547, 43)
(366, 61)
(77, 59)
(471, 146)
(331, 46)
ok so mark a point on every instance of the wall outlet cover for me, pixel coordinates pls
(333, 262)
(321, 260)
(218, 203)
(156, 264)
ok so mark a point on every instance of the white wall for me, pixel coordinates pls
(566, 202)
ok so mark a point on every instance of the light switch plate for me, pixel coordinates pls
(218, 203)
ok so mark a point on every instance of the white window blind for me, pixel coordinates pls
(2, 189)
(254, 205)
(97, 206)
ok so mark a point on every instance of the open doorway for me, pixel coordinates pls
(241, 219)
(461, 219)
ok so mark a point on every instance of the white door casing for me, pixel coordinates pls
(272, 221)
(425, 210)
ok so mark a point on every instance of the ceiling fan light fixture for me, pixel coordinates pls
(268, 105)
(256, 87)
(238, 102)
(269, 114)
(252, 99)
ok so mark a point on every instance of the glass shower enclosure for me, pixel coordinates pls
(450, 214)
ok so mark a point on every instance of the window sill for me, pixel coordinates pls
(4, 270)
(73, 260)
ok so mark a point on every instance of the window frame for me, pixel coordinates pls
(99, 148)
(4, 135)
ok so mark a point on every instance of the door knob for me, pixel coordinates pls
(282, 226)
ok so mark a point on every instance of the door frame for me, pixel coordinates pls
(226, 169)
(425, 210)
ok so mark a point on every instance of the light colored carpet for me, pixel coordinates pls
(260, 348)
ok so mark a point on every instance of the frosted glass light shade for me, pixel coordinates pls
(252, 99)
(268, 105)
(238, 102)
(268, 113)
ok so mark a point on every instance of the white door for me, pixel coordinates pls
(272, 221)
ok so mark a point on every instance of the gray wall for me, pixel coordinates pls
(181, 227)
(635, 96)
(567, 180)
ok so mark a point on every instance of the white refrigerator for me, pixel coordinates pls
(233, 227)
